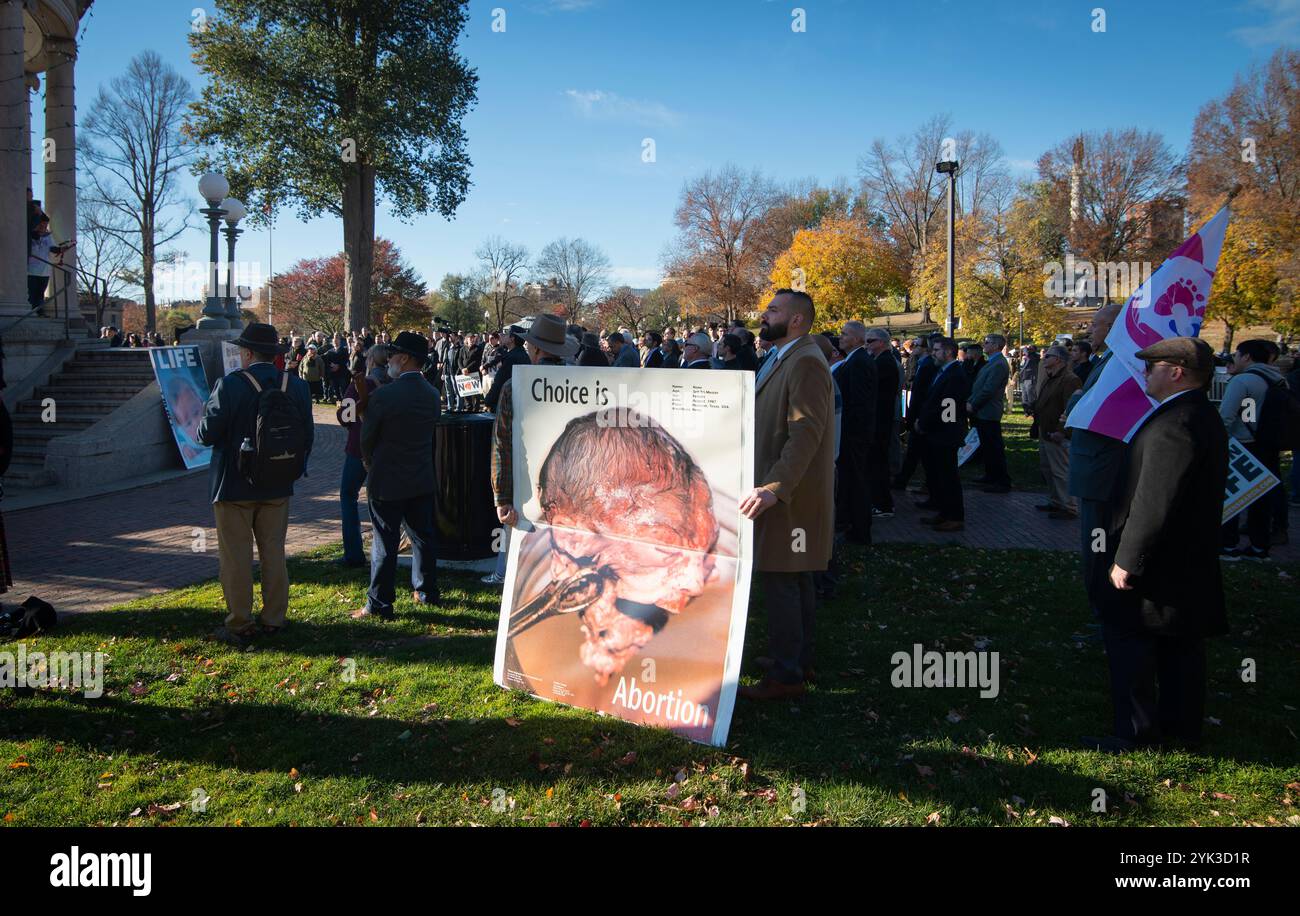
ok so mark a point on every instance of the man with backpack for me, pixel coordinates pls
(259, 424)
(1255, 410)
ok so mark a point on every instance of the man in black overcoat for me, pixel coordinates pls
(1164, 593)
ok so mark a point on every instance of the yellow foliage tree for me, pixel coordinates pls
(845, 265)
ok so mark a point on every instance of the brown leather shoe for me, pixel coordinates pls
(768, 689)
(950, 526)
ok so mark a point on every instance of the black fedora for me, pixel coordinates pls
(411, 344)
(260, 338)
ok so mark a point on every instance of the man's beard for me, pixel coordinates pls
(774, 331)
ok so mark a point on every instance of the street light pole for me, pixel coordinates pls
(1021, 309)
(949, 168)
(234, 211)
(213, 187)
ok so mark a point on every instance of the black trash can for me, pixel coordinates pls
(466, 517)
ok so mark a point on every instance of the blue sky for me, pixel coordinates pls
(571, 88)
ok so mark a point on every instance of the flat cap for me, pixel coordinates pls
(1188, 352)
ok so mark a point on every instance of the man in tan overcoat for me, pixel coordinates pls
(793, 502)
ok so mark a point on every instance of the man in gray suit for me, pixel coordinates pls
(1095, 464)
(987, 404)
(624, 353)
(397, 448)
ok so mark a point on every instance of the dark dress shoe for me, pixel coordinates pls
(769, 689)
(925, 504)
(1060, 514)
(933, 520)
(950, 525)
(424, 598)
(1107, 745)
(767, 664)
(366, 614)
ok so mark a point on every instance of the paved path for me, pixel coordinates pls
(98, 552)
(101, 551)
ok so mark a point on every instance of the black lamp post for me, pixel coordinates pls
(233, 210)
(949, 168)
(214, 188)
(1021, 309)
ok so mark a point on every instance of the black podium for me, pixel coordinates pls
(465, 517)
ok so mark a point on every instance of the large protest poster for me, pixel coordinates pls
(1248, 480)
(628, 578)
(179, 371)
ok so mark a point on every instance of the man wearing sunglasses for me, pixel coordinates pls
(1165, 591)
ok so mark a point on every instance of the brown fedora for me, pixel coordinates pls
(548, 333)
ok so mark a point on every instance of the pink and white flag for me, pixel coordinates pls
(1171, 303)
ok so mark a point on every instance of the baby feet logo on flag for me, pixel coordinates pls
(1171, 303)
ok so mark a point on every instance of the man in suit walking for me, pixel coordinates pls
(397, 449)
(792, 502)
(889, 380)
(1095, 463)
(926, 370)
(856, 375)
(942, 425)
(987, 404)
(1164, 591)
(244, 512)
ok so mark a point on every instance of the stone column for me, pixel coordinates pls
(61, 168)
(14, 171)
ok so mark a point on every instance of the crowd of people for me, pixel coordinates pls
(843, 422)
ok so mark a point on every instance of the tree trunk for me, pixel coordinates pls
(1228, 333)
(358, 245)
(147, 264)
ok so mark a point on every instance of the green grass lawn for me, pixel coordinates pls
(280, 735)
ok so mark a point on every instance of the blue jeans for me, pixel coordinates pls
(354, 475)
(388, 516)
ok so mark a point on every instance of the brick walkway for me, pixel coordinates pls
(105, 550)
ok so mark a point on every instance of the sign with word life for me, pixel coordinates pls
(184, 386)
(627, 586)
(1248, 480)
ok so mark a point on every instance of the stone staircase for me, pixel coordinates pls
(90, 386)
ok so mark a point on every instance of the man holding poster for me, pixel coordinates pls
(792, 504)
(625, 590)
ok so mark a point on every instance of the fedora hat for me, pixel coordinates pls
(260, 338)
(548, 333)
(411, 344)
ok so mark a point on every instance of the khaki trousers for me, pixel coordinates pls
(239, 524)
(1054, 463)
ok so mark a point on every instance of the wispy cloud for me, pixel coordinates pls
(599, 105)
(1281, 23)
(567, 6)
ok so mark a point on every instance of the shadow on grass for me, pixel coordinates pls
(273, 739)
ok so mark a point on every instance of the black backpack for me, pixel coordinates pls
(33, 616)
(279, 438)
(1278, 425)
